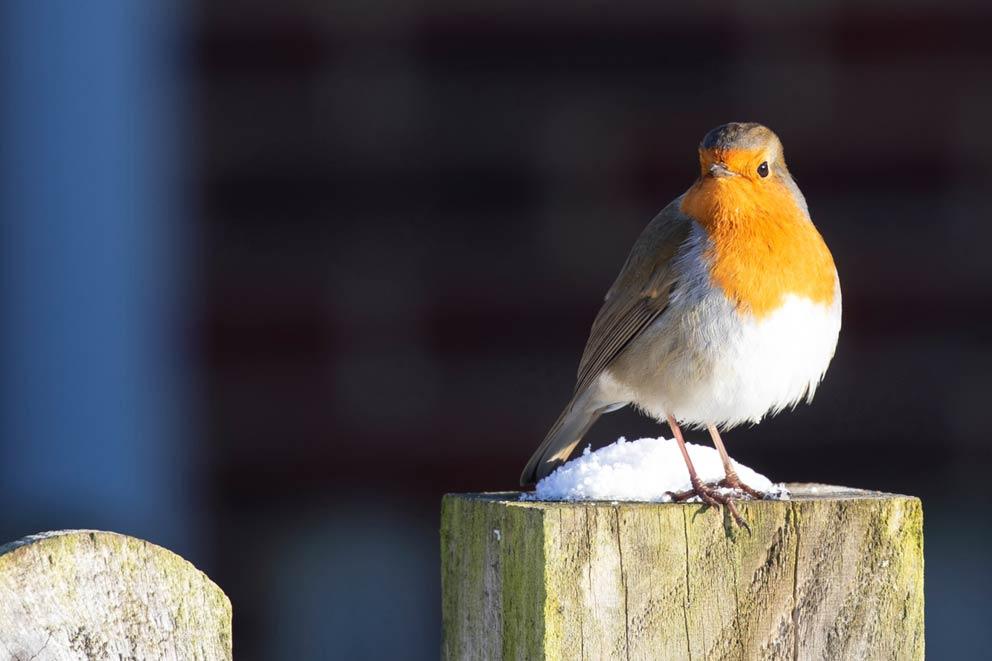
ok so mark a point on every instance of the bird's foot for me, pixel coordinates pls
(711, 496)
(731, 481)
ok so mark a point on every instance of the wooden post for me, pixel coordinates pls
(83, 594)
(834, 573)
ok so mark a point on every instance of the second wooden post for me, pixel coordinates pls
(834, 573)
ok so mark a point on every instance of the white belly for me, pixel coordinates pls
(703, 362)
(707, 364)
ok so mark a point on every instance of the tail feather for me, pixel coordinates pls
(565, 434)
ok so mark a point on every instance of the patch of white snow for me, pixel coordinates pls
(647, 470)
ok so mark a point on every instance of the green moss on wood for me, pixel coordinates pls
(840, 574)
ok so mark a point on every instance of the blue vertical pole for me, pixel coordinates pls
(91, 433)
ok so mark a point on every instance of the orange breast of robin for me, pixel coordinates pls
(763, 247)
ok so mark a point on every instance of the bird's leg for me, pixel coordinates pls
(708, 494)
(730, 475)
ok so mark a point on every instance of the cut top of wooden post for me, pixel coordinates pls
(82, 594)
(833, 573)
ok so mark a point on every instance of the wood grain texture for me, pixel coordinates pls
(90, 595)
(833, 574)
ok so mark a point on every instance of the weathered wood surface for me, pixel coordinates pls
(90, 595)
(832, 574)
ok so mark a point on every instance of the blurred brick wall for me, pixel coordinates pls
(411, 212)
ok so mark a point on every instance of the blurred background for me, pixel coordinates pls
(276, 276)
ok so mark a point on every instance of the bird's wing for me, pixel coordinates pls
(638, 296)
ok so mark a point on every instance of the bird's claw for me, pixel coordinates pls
(709, 495)
(731, 481)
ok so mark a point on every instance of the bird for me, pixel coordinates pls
(727, 310)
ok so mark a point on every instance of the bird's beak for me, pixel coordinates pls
(720, 170)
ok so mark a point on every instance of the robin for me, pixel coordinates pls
(727, 309)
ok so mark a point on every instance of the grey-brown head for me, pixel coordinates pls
(742, 148)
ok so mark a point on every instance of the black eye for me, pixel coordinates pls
(763, 169)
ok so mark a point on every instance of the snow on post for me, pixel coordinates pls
(832, 573)
(81, 594)
(648, 470)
